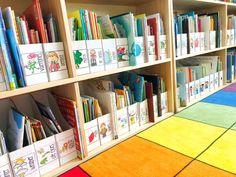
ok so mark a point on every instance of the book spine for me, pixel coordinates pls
(16, 28)
(16, 57)
(24, 32)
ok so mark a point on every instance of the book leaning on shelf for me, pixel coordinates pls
(37, 134)
(197, 32)
(103, 42)
(198, 76)
(231, 66)
(25, 52)
(112, 109)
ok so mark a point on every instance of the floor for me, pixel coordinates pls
(197, 142)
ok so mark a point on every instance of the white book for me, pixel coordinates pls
(197, 89)
(202, 41)
(212, 85)
(55, 61)
(178, 45)
(164, 103)
(33, 64)
(221, 81)
(212, 40)
(197, 42)
(228, 35)
(24, 32)
(184, 44)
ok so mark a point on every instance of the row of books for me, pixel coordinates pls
(38, 136)
(231, 30)
(231, 1)
(86, 25)
(197, 32)
(112, 109)
(25, 50)
(231, 65)
(197, 76)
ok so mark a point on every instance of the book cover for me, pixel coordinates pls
(68, 109)
(16, 57)
(125, 26)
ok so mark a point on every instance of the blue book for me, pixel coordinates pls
(16, 57)
(229, 68)
(126, 28)
(7, 60)
(83, 24)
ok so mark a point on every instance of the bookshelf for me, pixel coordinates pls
(202, 6)
(70, 88)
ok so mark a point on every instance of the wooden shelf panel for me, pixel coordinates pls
(33, 88)
(199, 53)
(119, 70)
(101, 149)
(112, 2)
(201, 98)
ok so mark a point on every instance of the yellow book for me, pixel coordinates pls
(122, 93)
(15, 27)
(97, 109)
(212, 24)
(76, 14)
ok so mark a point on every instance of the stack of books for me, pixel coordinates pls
(231, 30)
(25, 60)
(231, 65)
(115, 108)
(197, 32)
(38, 136)
(125, 39)
(198, 76)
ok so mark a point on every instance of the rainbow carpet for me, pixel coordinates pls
(200, 141)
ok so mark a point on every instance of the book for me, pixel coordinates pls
(16, 57)
(15, 130)
(6, 58)
(34, 17)
(126, 29)
(69, 111)
(149, 93)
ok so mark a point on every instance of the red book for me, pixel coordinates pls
(149, 94)
(34, 17)
(153, 23)
(69, 111)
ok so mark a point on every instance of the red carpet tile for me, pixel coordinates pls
(75, 172)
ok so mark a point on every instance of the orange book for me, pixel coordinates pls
(34, 17)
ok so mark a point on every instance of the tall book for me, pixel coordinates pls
(6, 59)
(34, 17)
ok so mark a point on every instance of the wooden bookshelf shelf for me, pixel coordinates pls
(201, 98)
(112, 2)
(199, 53)
(119, 70)
(107, 146)
(34, 88)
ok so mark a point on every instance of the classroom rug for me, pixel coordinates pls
(200, 141)
(212, 114)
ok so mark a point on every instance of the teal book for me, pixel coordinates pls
(181, 84)
(126, 29)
